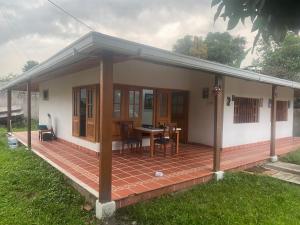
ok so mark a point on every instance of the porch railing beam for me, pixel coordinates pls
(29, 114)
(9, 110)
(218, 122)
(106, 110)
(273, 121)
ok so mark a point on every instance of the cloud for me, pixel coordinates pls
(35, 29)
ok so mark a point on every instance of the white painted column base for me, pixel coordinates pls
(219, 175)
(104, 210)
(274, 158)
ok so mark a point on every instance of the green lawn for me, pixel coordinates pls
(292, 157)
(239, 199)
(32, 192)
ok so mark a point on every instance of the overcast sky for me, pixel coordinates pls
(34, 29)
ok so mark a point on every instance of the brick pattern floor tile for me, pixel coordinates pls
(133, 172)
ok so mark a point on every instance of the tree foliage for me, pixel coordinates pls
(8, 77)
(280, 59)
(269, 18)
(191, 45)
(217, 47)
(29, 64)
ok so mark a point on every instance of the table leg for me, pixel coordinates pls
(177, 142)
(151, 145)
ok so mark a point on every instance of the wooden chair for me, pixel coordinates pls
(129, 137)
(168, 137)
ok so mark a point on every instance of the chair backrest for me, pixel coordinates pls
(126, 129)
(171, 129)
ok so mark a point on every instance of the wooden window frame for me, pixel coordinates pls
(281, 110)
(249, 113)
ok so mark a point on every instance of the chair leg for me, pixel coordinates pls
(165, 150)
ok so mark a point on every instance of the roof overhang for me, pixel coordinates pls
(90, 47)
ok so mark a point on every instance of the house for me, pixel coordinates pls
(229, 118)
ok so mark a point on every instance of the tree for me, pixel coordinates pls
(217, 47)
(191, 45)
(29, 64)
(270, 18)
(7, 77)
(280, 59)
(225, 49)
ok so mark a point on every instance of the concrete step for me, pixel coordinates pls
(284, 167)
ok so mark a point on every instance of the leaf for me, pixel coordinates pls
(256, 24)
(215, 2)
(255, 41)
(233, 21)
(219, 10)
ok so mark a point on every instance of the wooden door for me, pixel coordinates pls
(134, 105)
(179, 113)
(163, 107)
(76, 112)
(91, 113)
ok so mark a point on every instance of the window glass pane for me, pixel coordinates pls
(180, 99)
(117, 96)
(131, 111)
(117, 111)
(117, 103)
(131, 97)
(163, 104)
(137, 97)
(83, 101)
(136, 110)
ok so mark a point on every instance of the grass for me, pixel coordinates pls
(239, 199)
(32, 192)
(292, 157)
(21, 125)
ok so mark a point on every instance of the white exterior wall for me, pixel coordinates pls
(59, 104)
(138, 73)
(238, 134)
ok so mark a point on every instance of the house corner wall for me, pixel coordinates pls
(246, 133)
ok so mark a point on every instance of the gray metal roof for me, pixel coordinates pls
(96, 42)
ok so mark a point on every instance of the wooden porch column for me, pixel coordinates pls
(29, 114)
(218, 122)
(9, 110)
(273, 121)
(106, 110)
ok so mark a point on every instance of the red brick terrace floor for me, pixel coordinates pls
(133, 173)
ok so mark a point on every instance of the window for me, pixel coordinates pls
(282, 111)
(45, 95)
(117, 103)
(246, 110)
(134, 104)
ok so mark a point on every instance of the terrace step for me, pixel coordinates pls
(284, 167)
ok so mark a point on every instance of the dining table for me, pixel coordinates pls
(152, 132)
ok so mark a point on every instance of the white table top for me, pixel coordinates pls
(152, 130)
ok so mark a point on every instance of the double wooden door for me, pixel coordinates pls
(172, 106)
